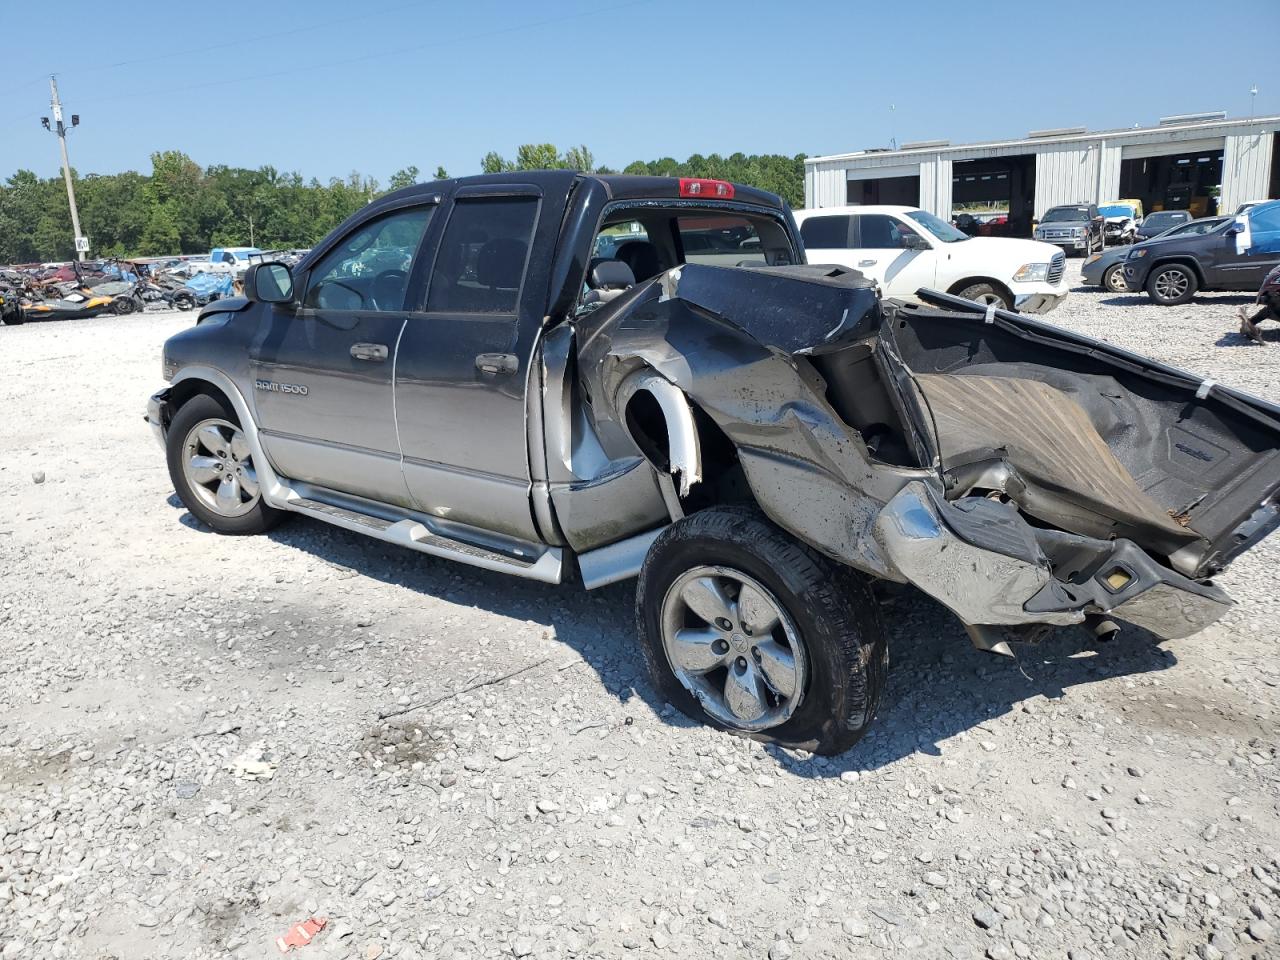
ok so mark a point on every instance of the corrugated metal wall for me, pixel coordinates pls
(935, 186)
(1066, 173)
(824, 186)
(1246, 169)
(1109, 178)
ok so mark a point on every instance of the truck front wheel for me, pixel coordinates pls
(746, 629)
(212, 469)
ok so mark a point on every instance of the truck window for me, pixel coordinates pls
(369, 269)
(829, 232)
(482, 258)
(878, 231)
(722, 240)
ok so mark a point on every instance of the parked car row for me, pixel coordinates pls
(1212, 253)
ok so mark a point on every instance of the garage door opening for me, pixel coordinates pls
(994, 197)
(1182, 181)
(897, 190)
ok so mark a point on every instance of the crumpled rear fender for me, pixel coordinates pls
(808, 471)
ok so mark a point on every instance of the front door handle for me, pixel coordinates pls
(866, 263)
(495, 363)
(375, 352)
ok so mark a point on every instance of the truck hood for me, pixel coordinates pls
(1006, 250)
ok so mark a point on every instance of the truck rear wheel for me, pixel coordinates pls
(211, 466)
(752, 632)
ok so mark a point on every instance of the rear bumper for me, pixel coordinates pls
(990, 567)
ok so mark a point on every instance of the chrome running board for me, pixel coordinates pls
(533, 562)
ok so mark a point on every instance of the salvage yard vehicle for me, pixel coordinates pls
(1075, 227)
(1106, 269)
(1121, 219)
(756, 443)
(1235, 255)
(1154, 224)
(904, 248)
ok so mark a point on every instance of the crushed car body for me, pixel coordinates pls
(976, 457)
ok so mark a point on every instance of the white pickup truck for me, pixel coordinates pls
(905, 248)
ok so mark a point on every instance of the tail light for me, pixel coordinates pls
(702, 187)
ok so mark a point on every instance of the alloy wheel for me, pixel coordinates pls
(1171, 284)
(218, 466)
(1116, 281)
(731, 644)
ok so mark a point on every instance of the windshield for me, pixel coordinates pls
(1065, 215)
(1196, 228)
(1116, 210)
(937, 226)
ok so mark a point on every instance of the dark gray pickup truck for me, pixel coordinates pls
(455, 370)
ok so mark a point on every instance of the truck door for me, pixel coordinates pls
(885, 251)
(463, 361)
(323, 373)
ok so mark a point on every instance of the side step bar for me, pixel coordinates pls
(548, 566)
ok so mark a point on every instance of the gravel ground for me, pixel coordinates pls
(1114, 801)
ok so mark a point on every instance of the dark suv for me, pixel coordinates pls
(1237, 255)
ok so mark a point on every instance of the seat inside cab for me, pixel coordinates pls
(635, 245)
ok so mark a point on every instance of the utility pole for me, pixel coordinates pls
(60, 128)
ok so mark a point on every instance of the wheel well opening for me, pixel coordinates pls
(970, 281)
(184, 390)
(648, 428)
(1187, 262)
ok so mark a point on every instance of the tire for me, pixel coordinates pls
(184, 301)
(121, 306)
(185, 444)
(1170, 284)
(986, 293)
(14, 318)
(1114, 276)
(828, 621)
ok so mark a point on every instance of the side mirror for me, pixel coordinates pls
(913, 241)
(1234, 229)
(269, 283)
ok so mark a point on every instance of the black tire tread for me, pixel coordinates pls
(844, 610)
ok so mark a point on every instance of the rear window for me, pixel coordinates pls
(723, 240)
(482, 258)
(828, 231)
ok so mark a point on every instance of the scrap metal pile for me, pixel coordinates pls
(77, 290)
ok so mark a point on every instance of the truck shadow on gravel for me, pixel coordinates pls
(939, 686)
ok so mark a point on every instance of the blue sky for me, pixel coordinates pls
(330, 86)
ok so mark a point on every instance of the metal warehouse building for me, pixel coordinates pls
(1205, 163)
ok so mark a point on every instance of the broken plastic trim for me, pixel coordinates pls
(684, 457)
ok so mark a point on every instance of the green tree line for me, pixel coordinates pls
(181, 207)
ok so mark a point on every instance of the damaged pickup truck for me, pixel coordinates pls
(454, 370)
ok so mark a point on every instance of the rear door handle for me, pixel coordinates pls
(495, 363)
(375, 352)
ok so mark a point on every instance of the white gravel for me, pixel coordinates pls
(1081, 802)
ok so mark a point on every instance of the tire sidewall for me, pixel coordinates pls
(838, 702)
(198, 408)
(1113, 271)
